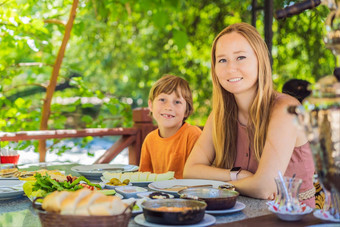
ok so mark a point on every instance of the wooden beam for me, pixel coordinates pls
(67, 133)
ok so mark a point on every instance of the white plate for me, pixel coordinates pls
(130, 191)
(207, 220)
(318, 214)
(136, 183)
(141, 183)
(95, 171)
(158, 185)
(14, 191)
(146, 195)
(238, 207)
(7, 178)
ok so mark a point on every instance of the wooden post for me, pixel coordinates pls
(143, 121)
(268, 26)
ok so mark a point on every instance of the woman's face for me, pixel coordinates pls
(236, 64)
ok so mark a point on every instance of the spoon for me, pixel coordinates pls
(288, 204)
(291, 181)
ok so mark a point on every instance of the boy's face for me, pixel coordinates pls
(168, 110)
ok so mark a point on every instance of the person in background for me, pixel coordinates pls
(249, 136)
(297, 88)
(168, 147)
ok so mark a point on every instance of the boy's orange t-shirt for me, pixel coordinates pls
(160, 155)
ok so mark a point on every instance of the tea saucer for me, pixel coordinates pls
(207, 220)
(324, 215)
(287, 216)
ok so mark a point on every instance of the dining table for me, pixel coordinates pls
(19, 211)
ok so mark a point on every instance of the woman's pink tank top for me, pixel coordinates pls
(301, 162)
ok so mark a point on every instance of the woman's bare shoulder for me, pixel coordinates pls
(282, 101)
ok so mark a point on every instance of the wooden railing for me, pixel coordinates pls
(130, 137)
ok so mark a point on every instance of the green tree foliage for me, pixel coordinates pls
(298, 47)
(119, 48)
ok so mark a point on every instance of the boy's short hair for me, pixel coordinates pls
(170, 83)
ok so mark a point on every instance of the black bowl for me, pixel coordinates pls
(216, 199)
(185, 212)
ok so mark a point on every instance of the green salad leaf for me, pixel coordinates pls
(45, 185)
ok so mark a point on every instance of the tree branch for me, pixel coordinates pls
(24, 85)
(46, 110)
(29, 64)
(55, 21)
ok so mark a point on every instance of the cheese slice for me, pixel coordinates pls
(152, 177)
(144, 176)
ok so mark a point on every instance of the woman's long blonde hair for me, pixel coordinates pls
(225, 111)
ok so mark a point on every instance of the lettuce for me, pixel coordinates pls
(39, 193)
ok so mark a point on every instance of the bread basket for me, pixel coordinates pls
(51, 219)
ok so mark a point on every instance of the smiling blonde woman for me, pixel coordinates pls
(249, 136)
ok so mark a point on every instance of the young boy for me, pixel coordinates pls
(168, 147)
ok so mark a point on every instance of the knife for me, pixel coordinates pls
(181, 187)
(111, 169)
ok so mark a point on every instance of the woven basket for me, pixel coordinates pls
(51, 219)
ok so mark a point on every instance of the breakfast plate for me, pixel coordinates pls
(95, 171)
(10, 189)
(141, 183)
(238, 207)
(207, 220)
(134, 183)
(173, 186)
(130, 191)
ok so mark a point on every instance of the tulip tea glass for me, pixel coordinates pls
(287, 197)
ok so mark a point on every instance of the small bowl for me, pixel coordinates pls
(288, 216)
(153, 195)
(171, 214)
(130, 191)
(216, 199)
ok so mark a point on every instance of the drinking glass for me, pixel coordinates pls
(288, 194)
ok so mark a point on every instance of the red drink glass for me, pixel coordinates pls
(9, 159)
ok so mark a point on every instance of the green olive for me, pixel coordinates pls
(115, 181)
(126, 181)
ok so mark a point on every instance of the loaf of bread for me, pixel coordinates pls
(111, 205)
(52, 202)
(83, 206)
(69, 204)
(83, 202)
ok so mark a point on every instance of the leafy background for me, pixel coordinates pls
(119, 48)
